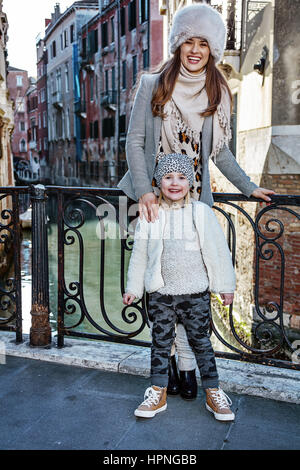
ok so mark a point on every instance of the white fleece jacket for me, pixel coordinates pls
(144, 271)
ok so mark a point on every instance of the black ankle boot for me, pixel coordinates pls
(188, 384)
(174, 384)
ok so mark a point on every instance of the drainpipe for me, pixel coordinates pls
(118, 92)
(148, 32)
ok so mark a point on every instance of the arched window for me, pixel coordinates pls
(23, 145)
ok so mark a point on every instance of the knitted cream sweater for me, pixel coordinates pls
(195, 228)
(182, 265)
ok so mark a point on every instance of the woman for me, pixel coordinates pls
(185, 108)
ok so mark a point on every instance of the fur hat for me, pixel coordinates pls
(174, 162)
(199, 20)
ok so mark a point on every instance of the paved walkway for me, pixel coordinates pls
(45, 405)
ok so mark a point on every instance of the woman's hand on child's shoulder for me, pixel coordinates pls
(227, 298)
(148, 207)
(128, 298)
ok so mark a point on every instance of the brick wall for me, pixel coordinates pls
(270, 271)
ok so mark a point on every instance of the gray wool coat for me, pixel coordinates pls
(142, 143)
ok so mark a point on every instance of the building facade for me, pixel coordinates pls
(6, 129)
(60, 43)
(121, 41)
(18, 84)
(33, 129)
(6, 110)
(42, 117)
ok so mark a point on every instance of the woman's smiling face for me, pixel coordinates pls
(194, 54)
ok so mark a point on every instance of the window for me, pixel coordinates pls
(19, 80)
(33, 129)
(104, 36)
(52, 83)
(93, 41)
(83, 52)
(45, 119)
(68, 127)
(58, 80)
(45, 143)
(83, 94)
(96, 130)
(22, 126)
(146, 59)
(122, 124)
(61, 42)
(91, 88)
(143, 10)
(43, 95)
(106, 81)
(65, 38)
(112, 27)
(134, 69)
(124, 85)
(53, 49)
(22, 145)
(108, 127)
(40, 121)
(82, 130)
(72, 38)
(67, 78)
(132, 15)
(123, 21)
(113, 78)
(59, 125)
(20, 105)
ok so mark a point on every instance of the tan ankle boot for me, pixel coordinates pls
(218, 403)
(155, 400)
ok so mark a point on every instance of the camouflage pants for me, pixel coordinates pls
(193, 311)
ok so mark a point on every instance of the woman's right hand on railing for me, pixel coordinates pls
(128, 298)
(148, 207)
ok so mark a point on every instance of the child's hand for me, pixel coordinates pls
(128, 298)
(227, 298)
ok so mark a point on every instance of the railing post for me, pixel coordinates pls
(40, 331)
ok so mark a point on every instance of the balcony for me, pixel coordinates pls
(109, 99)
(80, 108)
(57, 100)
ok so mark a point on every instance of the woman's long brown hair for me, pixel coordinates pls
(168, 74)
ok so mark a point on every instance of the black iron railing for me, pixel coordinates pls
(270, 340)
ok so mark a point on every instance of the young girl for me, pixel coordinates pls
(179, 259)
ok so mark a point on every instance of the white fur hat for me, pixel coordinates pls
(199, 20)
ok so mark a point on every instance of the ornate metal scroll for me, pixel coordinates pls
(269, 333)
(10, 244)
(71, 296)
